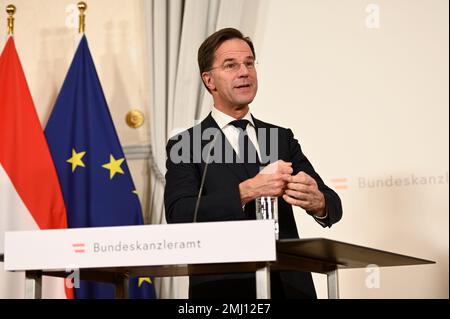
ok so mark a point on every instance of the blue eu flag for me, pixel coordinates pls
(96, 183)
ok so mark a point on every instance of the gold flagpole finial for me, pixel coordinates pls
(82, 6)
(10, 10)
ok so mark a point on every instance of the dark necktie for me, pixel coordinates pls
(247, 151)
(247, 154)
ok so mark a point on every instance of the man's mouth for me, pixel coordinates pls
(242, 86)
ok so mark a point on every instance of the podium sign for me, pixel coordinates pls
(148, 245)
(113, 254)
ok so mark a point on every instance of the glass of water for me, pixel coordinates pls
(267, 208)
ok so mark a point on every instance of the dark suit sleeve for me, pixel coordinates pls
(300, 163)
(181, 191)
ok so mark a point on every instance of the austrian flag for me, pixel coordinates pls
(30, 194)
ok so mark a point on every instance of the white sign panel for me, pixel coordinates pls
(149, 245)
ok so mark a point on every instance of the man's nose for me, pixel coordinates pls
(243, 70)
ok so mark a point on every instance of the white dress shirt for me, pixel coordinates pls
(232, 133)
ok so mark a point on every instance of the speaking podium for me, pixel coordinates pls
(113, 254)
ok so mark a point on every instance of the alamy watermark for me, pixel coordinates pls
(211, 146)
(373, 276)
(73, 278)
(373, 17)
(72, 14)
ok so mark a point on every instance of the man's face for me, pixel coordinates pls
(232, 80)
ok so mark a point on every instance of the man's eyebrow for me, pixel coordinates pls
(229, 60)
(250, 57)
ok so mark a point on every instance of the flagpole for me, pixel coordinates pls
(10, 10)
(82, 7)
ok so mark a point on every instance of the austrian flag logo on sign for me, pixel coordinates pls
(79, 248)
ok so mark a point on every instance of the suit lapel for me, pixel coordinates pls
(263, 140)
(238, 169)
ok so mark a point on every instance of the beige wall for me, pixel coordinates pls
(368, 103)
(364, 103)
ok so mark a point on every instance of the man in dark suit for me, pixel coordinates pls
(226, 139)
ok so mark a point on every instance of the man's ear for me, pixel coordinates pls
(208, 80)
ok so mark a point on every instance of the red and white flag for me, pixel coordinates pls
(30, 194)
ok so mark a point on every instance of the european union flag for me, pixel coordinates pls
(96, 183)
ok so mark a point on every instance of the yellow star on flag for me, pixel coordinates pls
(114, 166)
(75, 160)
(144, 279)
